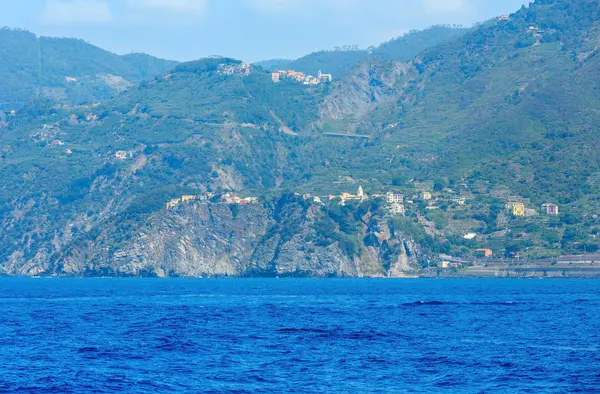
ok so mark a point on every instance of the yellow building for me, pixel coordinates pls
(173, 203)
(518, 209)
(188, 198)
(426, 196)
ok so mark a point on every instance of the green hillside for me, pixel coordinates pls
(38, 67)
(340, 61)
(505, 110)
(497, 115)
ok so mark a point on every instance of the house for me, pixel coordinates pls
(248, 200)
(296, 75)
(310, 80)
(484, 253)
(243, 69)
(359, 196)
(426, 196)
(398, 209)
(503, 17)
(394, 198)
(470, 236)
(517, 209)
(550, 209)
(276, 77)
(449, 264)
(122, 155)
(230, 198)
(173, 203)
(188, 198)
(71, 79)
(324, 77)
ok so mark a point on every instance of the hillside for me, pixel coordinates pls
(339, 62)
(66, 70)
(473, 135)
(505, 110)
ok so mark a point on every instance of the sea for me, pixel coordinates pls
(299, 336)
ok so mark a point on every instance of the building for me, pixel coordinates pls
(300, 77)
(173, 203)
(310, 80)
(470, 236)
(231, 198)
(426, 196)
(122, 155)
(361, 193)
(243, 69)
(188, 198)
(296, 75)
(503, 17)
(248, 200)
(394, 198)
(550, 209)
(398, 209)
(344, 197)
(484, 253)
(449, 264)
(324, 77)
(517, 209)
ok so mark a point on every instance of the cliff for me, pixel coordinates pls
(280, 238)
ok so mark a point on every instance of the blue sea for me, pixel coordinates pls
(299, 336)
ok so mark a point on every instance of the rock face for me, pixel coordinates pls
(369, 85)
(220, 240)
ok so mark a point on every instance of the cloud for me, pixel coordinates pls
(172, 6)
(70, 12)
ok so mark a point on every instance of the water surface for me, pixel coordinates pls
(144, 335)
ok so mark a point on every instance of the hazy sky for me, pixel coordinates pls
(245, 29)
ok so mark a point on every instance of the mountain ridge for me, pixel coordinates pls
(67, 69)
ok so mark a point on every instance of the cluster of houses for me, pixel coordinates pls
(395, 201)
(278, 76)
(518, 209)
(123, 154)
(228, 198)
(242, 69)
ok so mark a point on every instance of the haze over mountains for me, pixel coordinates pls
(503, 113)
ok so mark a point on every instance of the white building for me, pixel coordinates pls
(394, 198)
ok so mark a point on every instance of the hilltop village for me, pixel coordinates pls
(424, 205)
(300, 77)
(244, 69)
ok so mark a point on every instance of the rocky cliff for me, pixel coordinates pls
(279, 238)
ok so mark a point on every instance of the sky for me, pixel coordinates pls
(249, 30)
